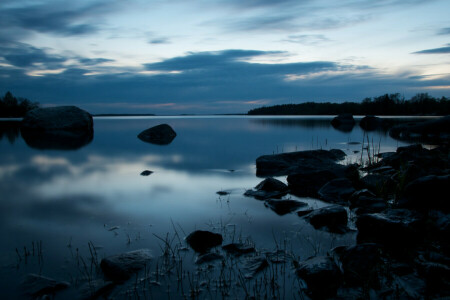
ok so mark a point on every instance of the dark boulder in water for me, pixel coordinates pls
(370, 123)
(322, 276)
(343, 122)
(282, 207)
(39, 286)
(337, 191)
(307, 184)
(121, 267)
(268, 188)
(61, 128)
(238, 249)
(334, 218)
(146, 173)
(300, 162)
(161, 134)
(201, 240)
(431, 131)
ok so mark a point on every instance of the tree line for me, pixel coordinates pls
(388, 104)
(12, 107)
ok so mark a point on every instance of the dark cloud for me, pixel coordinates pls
(441, 50)
(211, 82)
(94, 61)
(24, 55)
(444, 31)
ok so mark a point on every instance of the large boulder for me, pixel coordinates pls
(337, 191)
(321, 275)
(334, 218)
(121, 267)
(428, 192)
(343, 122)
(283, 207)
(307, 184)
(369, 123)
(201, 240)
(161, 134)
(62, 127)
(430, 131)
(300, 162)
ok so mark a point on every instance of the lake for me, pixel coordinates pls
(57, 203)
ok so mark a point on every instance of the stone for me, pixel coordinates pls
(122, 266)
(433, 131)
(379, 184)
(299, 162)
(146, 173)
(321, 275)
(38, 286)
(334, 218)
(283, 207)
(268, 188)
(59, 128)
(201, 240)
(428, 192)
(343, 122)
(255, 265)
(337, 191)
(238, 249)
(370, 123)
(208, 257)
(161, 134)
(307, 184)
(368, 201)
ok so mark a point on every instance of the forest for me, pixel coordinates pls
(13, 107)
(388, 104)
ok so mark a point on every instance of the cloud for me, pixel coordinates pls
(441, 50)
(444, 31)
(160, 40)
(307, 39)
(24, 55)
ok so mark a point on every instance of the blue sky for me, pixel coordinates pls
(218, 56)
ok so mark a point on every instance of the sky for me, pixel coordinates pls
(220, 56)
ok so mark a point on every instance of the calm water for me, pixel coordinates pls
(66, 199)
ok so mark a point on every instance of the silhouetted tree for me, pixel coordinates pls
(12, 107)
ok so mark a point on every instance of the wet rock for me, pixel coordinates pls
(361, 264)
(379, 184)
(431, 131)
(61, 128)
(334, 218)
(208, 257)
(146, 173)
(238, 249)
(369, 203)
(322, 276)
(409, 287)
(308, 183)
(436, 275)
(161, 134)
(121, 267)
(97, 288)
(201, 241)
(268, 188)
(222, 193)
(370, 123)
(337, 191)
(305, 212)
(393, 227)
(428, 192)
(255, 265)
(38, 286)
(343, 122)
(282, 207)
(299, 162)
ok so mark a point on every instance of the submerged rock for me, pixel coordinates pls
(337, 191)
(268, 188)
(121, 267)
(161, 134)
(238, 249)
(208, 257)
(300, 162)
(322, 276)
(201, 240)
(255, 265)
(282, 207)
(38, 286)
(332, 217)
(61, 128)
(146, 173)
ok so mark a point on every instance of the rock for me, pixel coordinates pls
(146, 173)
(431, 131)
(361, 264)
(121, 267)
(208, 257)
(307, 184)
(222, 193)
(379, 184)
(299, 162)
(238, 249)
(332, 217)
(39, 286)
(61, 128)
(343, 122)
(369, 204)
(322, 276)
(279, 256)
(370, 123)
(337, 191)
(394, 227)
(271, 185)
(268, 188)
(282, 207)
(201, 241)
(428, 192)
(305, 212)
(97, 289)
(161, 134)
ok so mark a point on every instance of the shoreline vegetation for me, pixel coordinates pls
(385, 105)
(13, 107)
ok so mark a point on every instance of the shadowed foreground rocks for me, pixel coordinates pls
(121, 267)
(201, 240)
(61, 128)
(161, 134)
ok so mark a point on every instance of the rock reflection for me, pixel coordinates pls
(10, 130)
(57, 139)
